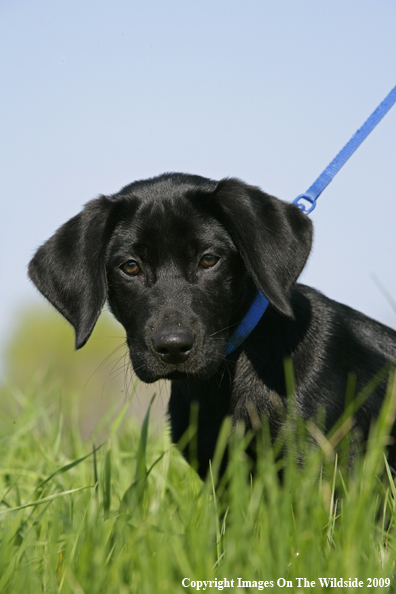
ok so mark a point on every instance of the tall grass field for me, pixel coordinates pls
(130, 515)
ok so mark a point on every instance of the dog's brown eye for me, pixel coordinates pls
(131, 268)
(208, 260)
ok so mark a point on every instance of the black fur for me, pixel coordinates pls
(178, 314)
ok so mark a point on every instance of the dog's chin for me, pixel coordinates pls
(150, 374)
(149, 377)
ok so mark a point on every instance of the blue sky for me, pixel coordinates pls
(96, 94)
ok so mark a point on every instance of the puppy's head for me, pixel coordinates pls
(180, 259)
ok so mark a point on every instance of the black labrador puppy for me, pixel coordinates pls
(202, 276)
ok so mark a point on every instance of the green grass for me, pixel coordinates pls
(130, 515)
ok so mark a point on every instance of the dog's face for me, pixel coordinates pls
(175, 282)
(180, 259)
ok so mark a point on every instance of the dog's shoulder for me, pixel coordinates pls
(347, 321)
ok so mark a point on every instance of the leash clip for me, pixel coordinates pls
(302, 206)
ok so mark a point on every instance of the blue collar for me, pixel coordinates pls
(248, 323)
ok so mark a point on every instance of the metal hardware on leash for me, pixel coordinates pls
(345, 153)
(308, 198)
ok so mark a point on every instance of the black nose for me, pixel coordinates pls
(174, 345)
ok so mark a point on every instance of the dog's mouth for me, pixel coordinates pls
(177, 375)
(151, 371)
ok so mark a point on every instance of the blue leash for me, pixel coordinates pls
(325, 178)
(260, 303)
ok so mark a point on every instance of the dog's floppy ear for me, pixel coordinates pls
(69, 268)
(273, 237)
